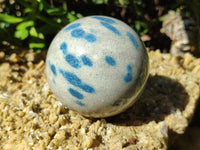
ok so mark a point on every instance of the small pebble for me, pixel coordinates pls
(14, 58)
(2, 55)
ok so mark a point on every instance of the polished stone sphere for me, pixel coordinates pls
(97, 66)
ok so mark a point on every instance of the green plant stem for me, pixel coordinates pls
(48, 21)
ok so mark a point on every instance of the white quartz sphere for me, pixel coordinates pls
(97, 66)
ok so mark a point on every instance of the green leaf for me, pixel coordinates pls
(40, 6)
(38, 50)
(28, 10)
(71, 16)
(36, 34)
(33, 32)
(137, 27)
(55, 11)
(10, 19)
(65, 6)
(99, 2)
(21, 34)
(58, 20)
(41, 36)
(34, 45)
(79, 15)
(144, 31)
(25, 25)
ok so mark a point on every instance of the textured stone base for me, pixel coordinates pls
(31, 117)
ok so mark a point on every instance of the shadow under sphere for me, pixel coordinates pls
(161, 97)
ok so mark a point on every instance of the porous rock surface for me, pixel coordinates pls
(32, 118)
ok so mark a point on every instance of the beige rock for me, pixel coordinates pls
(2, 55)
(14, 58)
(182, 30)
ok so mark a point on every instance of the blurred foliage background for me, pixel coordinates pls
(33, 23)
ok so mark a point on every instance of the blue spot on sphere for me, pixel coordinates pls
(71, 78)
(75, 93)
(108, 20)
(78, 33)
(86, 61)
(111, 28)
(76, 81)
(133, 40)
(129, 68)
(90, 38)
(53, 68)
(87, 88)
(128, 77)
(63, 48)
(110, 60)
(79, 103)
(73, 26)
(73, 61)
